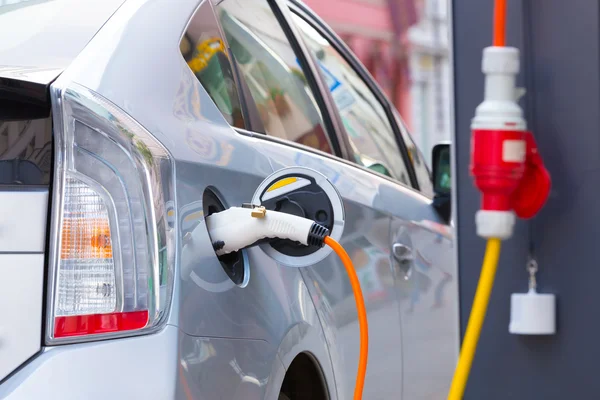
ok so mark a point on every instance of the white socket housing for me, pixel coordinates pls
(495, 224)
(499, 109)
(532, 313)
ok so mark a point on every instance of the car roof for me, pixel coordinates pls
(49, 34)
(40, 38)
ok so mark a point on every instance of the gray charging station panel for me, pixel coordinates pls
(559, 44)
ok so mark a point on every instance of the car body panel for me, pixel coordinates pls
(23, 221)
(39, 39)
(48, 35)
(223, 339)
(231, 369)
(22, 245)
(429, 307)
(143, 367)
(207, 152)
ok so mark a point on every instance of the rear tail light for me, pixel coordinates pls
(112, 248)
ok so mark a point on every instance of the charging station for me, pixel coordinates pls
(559, 53)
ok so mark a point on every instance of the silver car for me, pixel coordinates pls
(122, 125)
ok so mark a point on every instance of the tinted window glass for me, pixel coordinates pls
(205, 52)
(270, 68)
(25, 152)
(370, 133)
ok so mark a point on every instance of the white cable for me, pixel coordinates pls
(237, 228)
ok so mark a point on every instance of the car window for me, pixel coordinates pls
(370, 133)
(204, 50)
(416, 158)
(271, 70)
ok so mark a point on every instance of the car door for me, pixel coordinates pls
(420, 246)
(295, 129)
(429, 294)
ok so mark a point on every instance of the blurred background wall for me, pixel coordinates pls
(405, 45)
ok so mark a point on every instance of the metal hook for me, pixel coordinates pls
(532, 268)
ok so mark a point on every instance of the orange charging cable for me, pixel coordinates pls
(500, 23)
(362, 315)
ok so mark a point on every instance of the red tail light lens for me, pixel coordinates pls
(93, 324)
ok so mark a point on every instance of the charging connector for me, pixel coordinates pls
(313, 197)
(239, 227)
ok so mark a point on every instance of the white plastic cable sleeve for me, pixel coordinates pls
(236, 228)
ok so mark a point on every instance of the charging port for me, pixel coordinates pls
(310, 202)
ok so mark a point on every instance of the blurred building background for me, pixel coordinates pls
(405, 45)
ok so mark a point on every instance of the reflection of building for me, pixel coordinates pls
(273, 75)
(26, 151)
(430, 76)
(404, 44)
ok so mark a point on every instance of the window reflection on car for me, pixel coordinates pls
(278, 85)
(370, 133)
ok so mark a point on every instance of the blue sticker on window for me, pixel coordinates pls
(330, 79)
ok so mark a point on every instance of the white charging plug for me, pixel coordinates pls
(239, 227)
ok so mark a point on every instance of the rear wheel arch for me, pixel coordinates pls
(304, 380)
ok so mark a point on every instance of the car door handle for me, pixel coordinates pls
(404, 257)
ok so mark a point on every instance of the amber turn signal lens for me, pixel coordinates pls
(86, 238)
